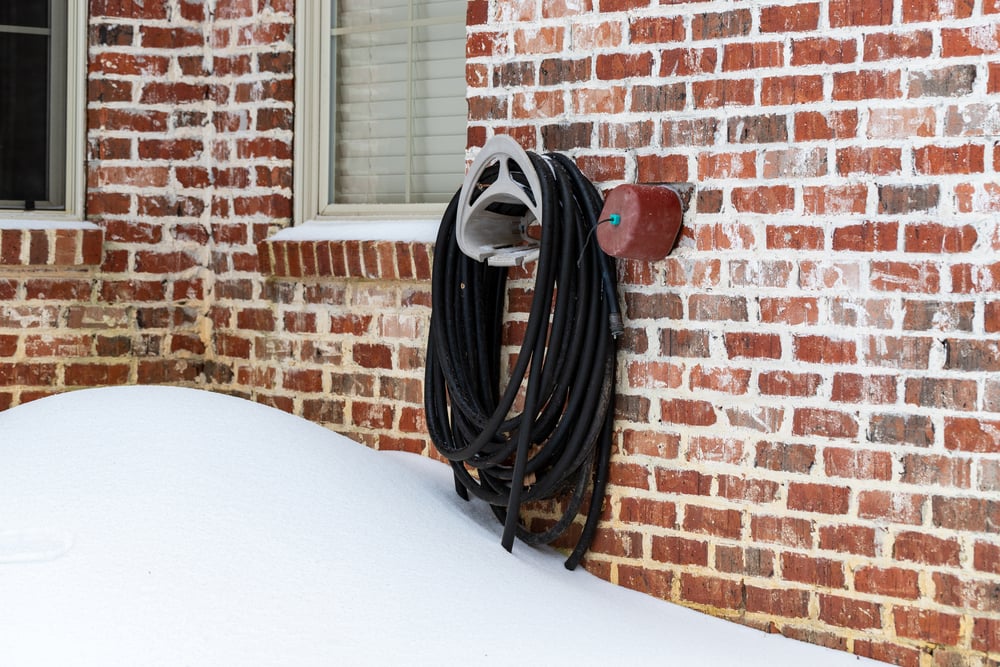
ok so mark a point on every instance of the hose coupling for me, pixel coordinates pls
(617, 326)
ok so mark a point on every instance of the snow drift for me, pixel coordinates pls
(144, 525)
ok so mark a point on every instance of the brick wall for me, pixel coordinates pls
(809, 412)
(808, 434)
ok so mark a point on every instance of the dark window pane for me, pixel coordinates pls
(34, 13)
(24, 117)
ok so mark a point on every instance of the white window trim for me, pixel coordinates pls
(75, 134)
(311, 128)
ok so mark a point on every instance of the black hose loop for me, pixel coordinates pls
(559, 444)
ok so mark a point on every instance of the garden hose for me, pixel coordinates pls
(559, 444)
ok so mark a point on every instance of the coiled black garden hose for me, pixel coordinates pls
(560, 441)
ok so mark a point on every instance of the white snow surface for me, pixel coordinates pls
(167, 526)
(415, 229)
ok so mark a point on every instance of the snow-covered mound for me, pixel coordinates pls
(147, 526)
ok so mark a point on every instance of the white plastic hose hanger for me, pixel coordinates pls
(497, 204)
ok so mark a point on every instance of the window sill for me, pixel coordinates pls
(50, 243)
(374, 250)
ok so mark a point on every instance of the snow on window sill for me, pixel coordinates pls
(372, 249)
(41, 242)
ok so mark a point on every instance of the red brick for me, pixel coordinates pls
(854, 388)
(255, 319)
(823, 51)
(785, 457)
(936, 238)
(753, 345)
(620, 543)
(711, 591)
(672, 549)
(986, 557)
(303, 380)
(712, 26)
(844, 13)
(728, 380)
(683, 343)
(656, 30)
(772, 200)
(972, 435)
(56, 346)
(890, 582)
(920, 547)
(795, 237)
(646, 511)
(970, 41)
(786, 383)
(858, 540)
(922, 11)
(866, 84)
(717, 93)
(787, 603)
(848, 613)
(791, 310)
(749, 490)
(936, 470)
(795, 18)
(927, 625)
(816, 126)
(808, 569)
(692, 413)
(889, 46)
(986, 635)
(942, 393)
(631, 475)
(901, 123)
(822, 498)
(966, 594)
(968, 514)
(649, 443)
(751, 561)
(615, 66)
(371, 415)
(688, 62)
(788, 531)
(93, 375)
(824, 350)
(718, 522)
(129, 9)
(786, 90)
(684, 482)
(858, 464)
(373, 355)
(921, 277)
(894, 506)
(740, 56)
(657, 583)
(727, 165)
(662, 169)
(869, 160)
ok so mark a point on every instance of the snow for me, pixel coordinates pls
(415, 230)
(45, 223)
(167, 526)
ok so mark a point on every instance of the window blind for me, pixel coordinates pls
(398, 112)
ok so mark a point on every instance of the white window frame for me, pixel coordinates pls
(72, 131)
(312, 133)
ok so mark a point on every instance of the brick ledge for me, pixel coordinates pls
(78, 244)
(384, 260)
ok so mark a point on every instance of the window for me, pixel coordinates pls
(381, 110)
(40, 105)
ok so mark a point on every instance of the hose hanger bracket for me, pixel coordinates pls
(499, 200)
